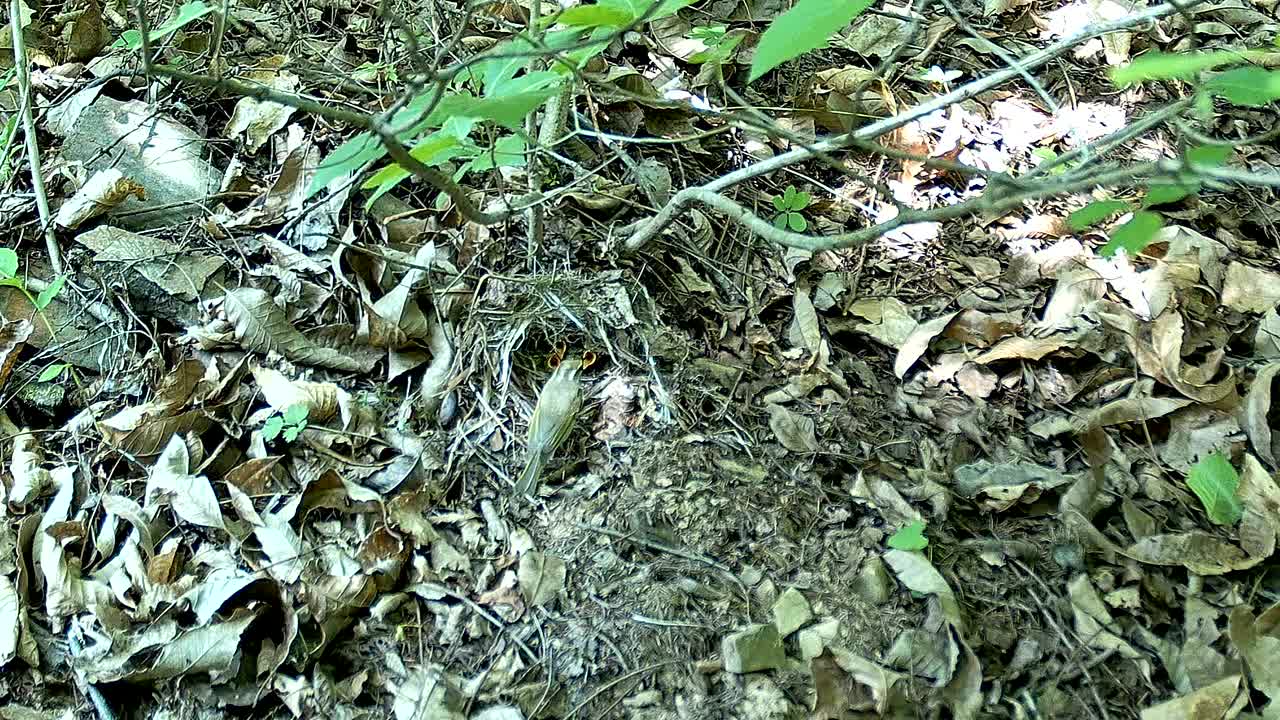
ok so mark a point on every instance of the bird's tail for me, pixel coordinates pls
(528, 480)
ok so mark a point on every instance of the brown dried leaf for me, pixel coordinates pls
(261, 326)
(1257, 405)
(1197, 551)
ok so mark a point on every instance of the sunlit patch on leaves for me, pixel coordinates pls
(909, 537)
(1214, 481)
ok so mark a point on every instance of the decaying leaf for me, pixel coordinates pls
(191, 496)
(541, 577)
(918, 574)
(1218, 700)
(1198, 552)
(1092, 618)
(261, 326)
(1000, 486)
(173, 268)
(1257, 639)
(793, 430)
(10, 611)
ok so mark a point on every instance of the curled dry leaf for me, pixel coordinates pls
(1248, 289)
(191, 496)
(917, 343)
(1257, 405)
(13, 333)
(30, 480)
(320, 399)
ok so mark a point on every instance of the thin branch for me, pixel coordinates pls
(996, 199)
(23, 72)
(650, 229)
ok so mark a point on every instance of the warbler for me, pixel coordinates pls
(553, 419)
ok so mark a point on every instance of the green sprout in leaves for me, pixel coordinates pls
(9, 277)
(789, 205)
(288, 424)
(1214, 481)
(909, 537)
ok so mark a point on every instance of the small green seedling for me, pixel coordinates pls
(789, 205)
(909, 537)
(720, 44)
(9, 277)
(288, 424)
(52, 372)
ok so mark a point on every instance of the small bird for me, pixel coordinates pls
(553, 419)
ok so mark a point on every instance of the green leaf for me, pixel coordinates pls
(797, 222)
(47, 295)
(8, 263)
(780, 221)
(1209, 155)
(1168, 192)
(188, 13)
(1214, 481)
(1173, 66)
(272, 427)
(51, 372)
(596, 16)
(804, 27)
(296, 413)
(801, 201)
(508, 111)
(1134, 236)
(507, 151)
(1248, 86)
(431, 150)
(909, 537)
(292, 432)
(789, 197)
(1094, 213)
(779, 203)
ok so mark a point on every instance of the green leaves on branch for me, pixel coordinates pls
(1214, 481)
(806, 26)
(187, 14)
(1249, 85)
(1137, 233)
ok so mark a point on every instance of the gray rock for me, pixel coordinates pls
(791, 612)
(756, 647)
(163, 156)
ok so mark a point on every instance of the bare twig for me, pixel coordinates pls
(650, 229)
(29, 130)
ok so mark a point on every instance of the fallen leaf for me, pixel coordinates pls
(191, 496)
(794, 431)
